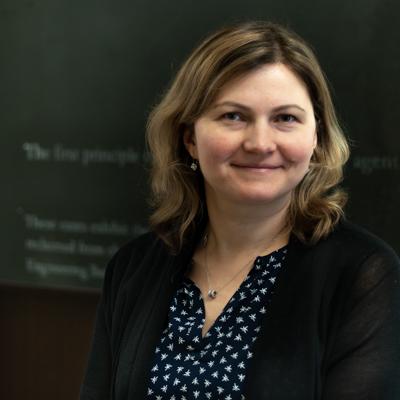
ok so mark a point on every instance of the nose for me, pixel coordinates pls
(260, 138)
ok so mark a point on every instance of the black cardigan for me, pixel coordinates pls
(331, 332)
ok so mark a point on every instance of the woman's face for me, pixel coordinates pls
(255, 142)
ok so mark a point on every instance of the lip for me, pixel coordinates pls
(260, 167)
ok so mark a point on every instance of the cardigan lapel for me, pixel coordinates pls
(284, 364)
(148, 319)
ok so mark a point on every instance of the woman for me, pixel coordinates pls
(251, 284)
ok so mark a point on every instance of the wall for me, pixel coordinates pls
(44, 341)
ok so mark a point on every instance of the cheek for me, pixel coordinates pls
(215, 148)
(298, 152)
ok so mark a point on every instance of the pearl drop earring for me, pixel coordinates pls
(194, 165)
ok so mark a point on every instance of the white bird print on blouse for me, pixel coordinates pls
(187, 366)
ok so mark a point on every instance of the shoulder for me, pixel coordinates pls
(138, 246)
(356, 254)
(131, 256)
(350, 239)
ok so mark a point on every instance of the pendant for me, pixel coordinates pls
(212, 294)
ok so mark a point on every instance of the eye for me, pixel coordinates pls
(286, 118)
(233, 116)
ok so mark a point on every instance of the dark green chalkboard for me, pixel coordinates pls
(78, 80)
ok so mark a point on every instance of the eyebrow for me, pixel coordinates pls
(243, 107)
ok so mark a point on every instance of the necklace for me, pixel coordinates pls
(212, 293)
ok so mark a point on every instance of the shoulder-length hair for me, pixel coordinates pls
(178, 198)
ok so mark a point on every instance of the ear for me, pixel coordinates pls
(315, 139)
(189, 141)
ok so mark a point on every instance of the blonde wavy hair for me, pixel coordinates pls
(178, 200)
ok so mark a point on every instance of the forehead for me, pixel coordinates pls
(274, 83)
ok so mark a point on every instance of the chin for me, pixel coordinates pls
(261, 198)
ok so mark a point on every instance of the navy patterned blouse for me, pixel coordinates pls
(188, 366)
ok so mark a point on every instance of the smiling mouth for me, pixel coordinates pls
(257, 167)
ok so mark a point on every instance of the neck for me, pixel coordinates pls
(246, 229)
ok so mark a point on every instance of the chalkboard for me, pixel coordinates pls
(79, 78)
